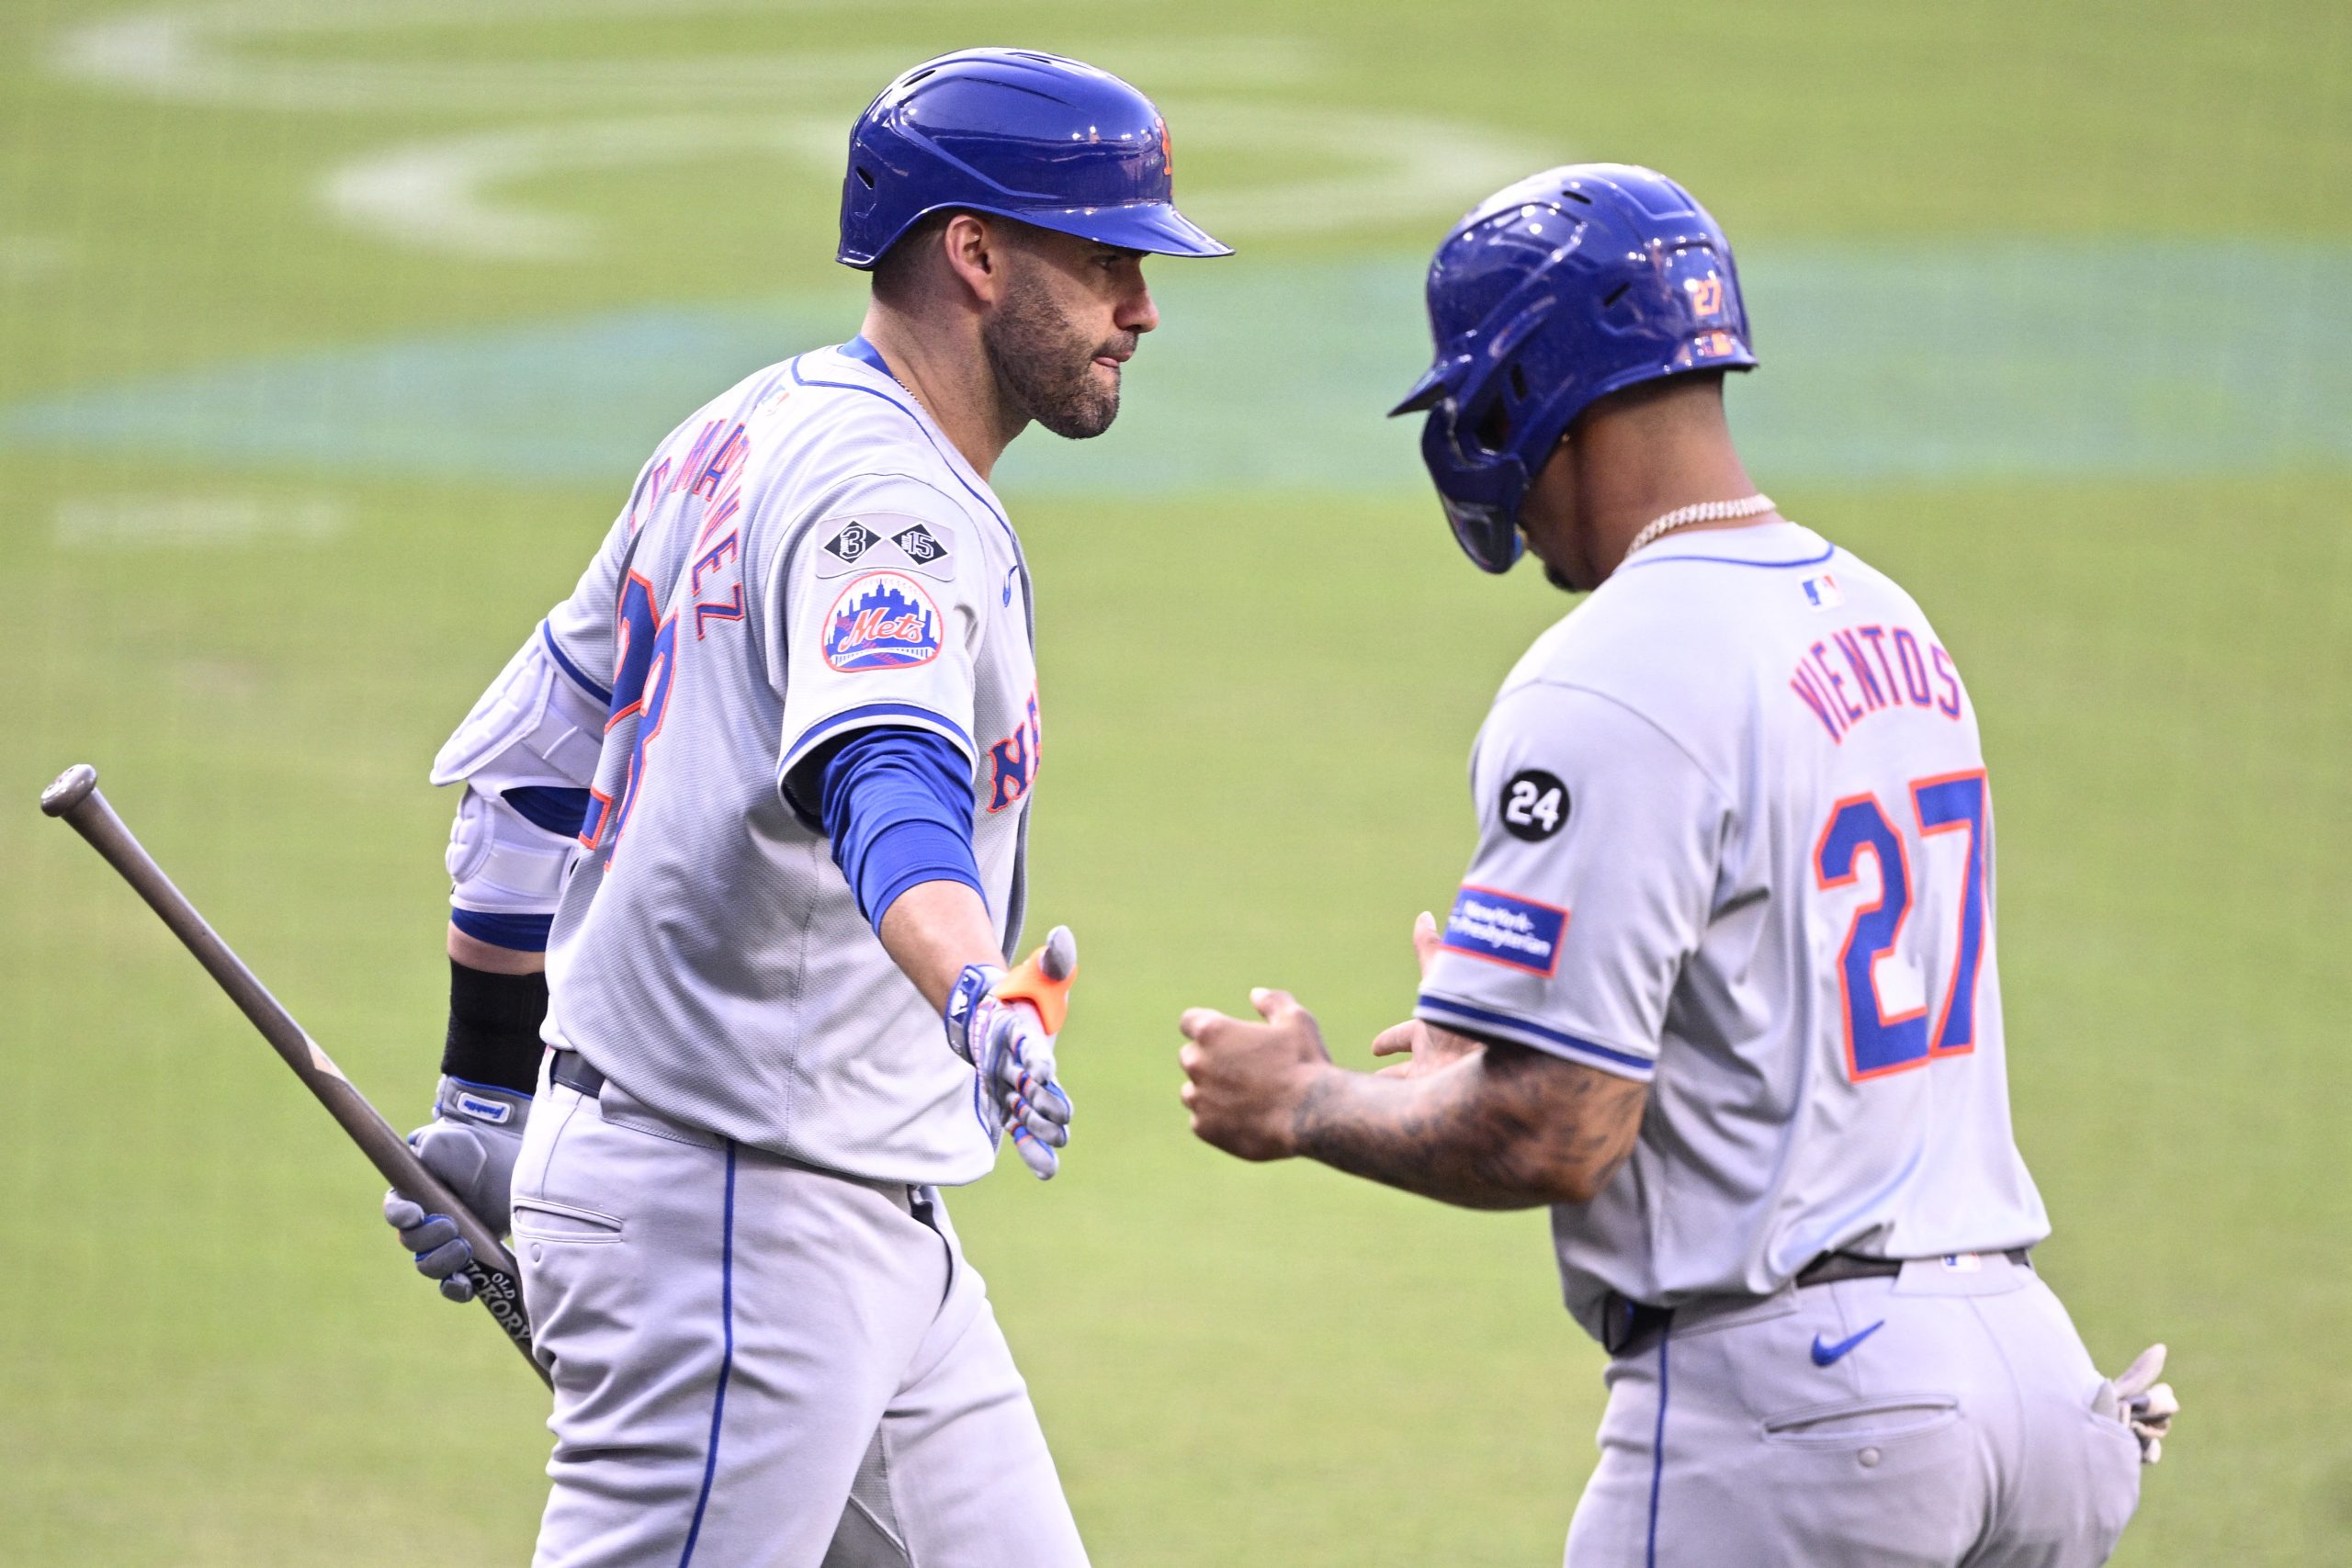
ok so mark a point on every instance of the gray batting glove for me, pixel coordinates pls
(2135, 1398)
(1012, 1056)
(470, 1143)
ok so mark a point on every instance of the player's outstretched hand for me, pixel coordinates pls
(1005, 1024)
(2135, 1398)
(1424, 1048)
(470, 1143)
(1244, 1081)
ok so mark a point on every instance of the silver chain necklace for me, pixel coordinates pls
(1702, 512)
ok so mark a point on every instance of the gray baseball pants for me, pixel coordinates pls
(761, 1365)
(1940, 1418)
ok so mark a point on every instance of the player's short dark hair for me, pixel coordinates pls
(897, 265)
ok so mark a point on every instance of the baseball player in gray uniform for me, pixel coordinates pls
(755, 797)
(1720, 985)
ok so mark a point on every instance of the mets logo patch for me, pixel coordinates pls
(882, 621)
(1502, 928)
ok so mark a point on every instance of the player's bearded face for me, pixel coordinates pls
(1046, 361)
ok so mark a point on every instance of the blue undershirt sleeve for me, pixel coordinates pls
(549, 810)
(896, 804)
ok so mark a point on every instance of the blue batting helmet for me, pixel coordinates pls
(1019, 134)
(1554, 293)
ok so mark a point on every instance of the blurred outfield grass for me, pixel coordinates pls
(1258, 699)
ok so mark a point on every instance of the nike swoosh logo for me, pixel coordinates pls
(1828, 1355)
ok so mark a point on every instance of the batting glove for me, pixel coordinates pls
(1005, 1038)
(2141, 1402)
(470, 1143)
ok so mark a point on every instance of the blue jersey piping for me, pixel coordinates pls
(1657, 1445)
(547, 632)
(798, 379)
(725, 1360)
(1574, 1042)
(1734, 561)
(848, 716)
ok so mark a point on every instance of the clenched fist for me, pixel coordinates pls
(1245, 1081)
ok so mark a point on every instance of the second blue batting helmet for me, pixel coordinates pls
(1554, 293)
(1020, 134)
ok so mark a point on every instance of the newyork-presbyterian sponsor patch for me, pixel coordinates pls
(1502, 928)
(882, 620)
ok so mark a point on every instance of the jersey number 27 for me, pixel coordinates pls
(1879, 1041)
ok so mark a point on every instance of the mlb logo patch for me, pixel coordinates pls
(882, 621)
(1822, 592)
(1502, 928)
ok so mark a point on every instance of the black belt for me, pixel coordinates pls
(570, 1069)
(1629, 1325)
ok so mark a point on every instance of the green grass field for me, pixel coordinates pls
(330, 336)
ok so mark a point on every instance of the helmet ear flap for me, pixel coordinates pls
(1496, 425)
(1490, 430)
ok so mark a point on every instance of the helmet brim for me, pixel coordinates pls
(1155, 227)
(1427, 392)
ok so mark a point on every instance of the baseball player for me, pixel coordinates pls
(755, 798)
(1720, 985)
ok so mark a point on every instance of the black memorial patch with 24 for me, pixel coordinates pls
(1535, 804)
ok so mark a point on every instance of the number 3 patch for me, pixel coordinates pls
(1535, 804)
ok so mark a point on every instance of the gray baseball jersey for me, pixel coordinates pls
(806, 556)
(1736, 843)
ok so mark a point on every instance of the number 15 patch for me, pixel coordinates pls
(1502, 928)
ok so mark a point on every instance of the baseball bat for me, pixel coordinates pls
(74, 797)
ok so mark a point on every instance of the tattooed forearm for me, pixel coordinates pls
(1501, 1128)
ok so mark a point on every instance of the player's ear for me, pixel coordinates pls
(973, 246)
